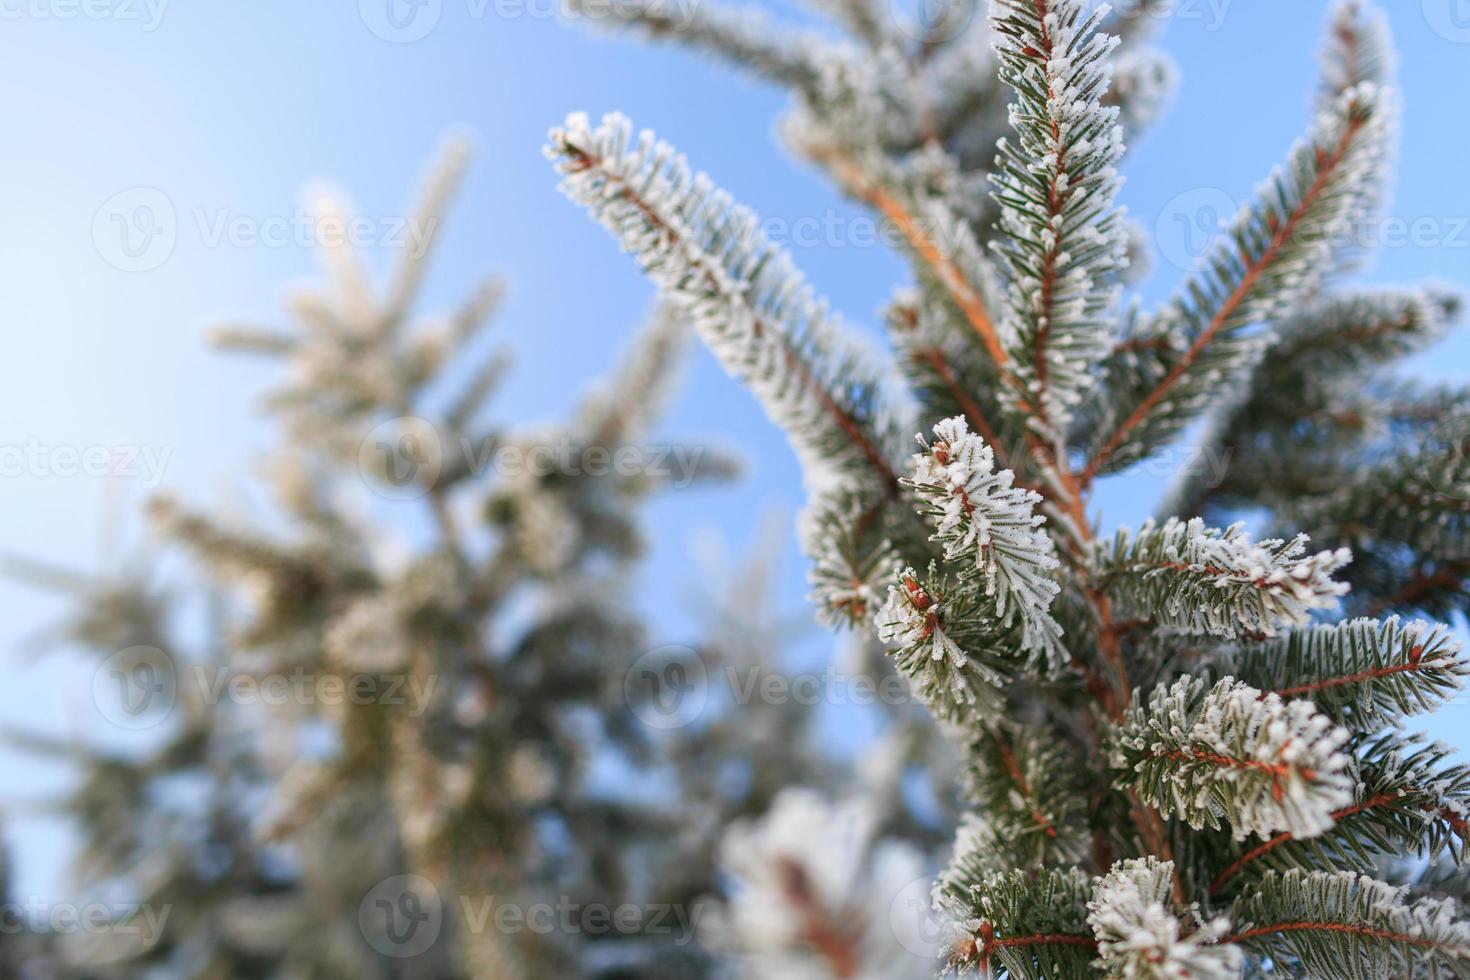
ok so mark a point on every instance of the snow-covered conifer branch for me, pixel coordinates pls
(1312, 406)
(1351, 332)
(1343, 924)
(978, 852)
(989, 528)
(1062, 243)
(1214, 582)
(1234, 754)
(1366, 674)
(1408, 514)
(743, 294)
(1139, 936)
(1030, 926)
(1358, 49)
(438, 192)
(957, 657)
(1181, 360)
(1407, 802)
(1193, 792)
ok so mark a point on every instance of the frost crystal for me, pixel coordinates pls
(1263, 764)
(913, 617)
(1140, 938)
(987, 522)
(1220, 583)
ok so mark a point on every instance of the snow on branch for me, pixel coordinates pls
(744, 35)
(1217, 583)
(743, 294)
(845, 533)
(1350, 332)
(1408, 801)
(1277, 252)
(1365, 673)
(1026, 784)
(990, 526)
(1344, 924)
(1033, 926)
(1233, 754)
(1359, 49)
(953, 654)
(1063, 242)
(1139, 936)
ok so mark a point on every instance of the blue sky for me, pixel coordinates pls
(227, 110)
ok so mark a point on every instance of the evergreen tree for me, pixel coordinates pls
(479, 601)
(1186, 743)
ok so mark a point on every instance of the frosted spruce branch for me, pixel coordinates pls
(1216, 583)
(1343, 924)
(1062, 243)
(1204, 723)
(1366, 674)
(1231, 754)
(990, 530)
(1278, 250)
(1358, 49)
(1315, 403)
(744, 35)
(1141, 938)
(945, 641)
(1032, 794)
(1407, 801)
(846, 535)
(745, 297)
(1015, 924)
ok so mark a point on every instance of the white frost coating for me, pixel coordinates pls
(1064, 240)
(1265, 765)
(1389, 933)
(1359, 49)
(1220, 583)
(743, 294)
(913, 618)
(1140, 938)
(986, 521)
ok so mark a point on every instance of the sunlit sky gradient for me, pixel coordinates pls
(227, 109)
